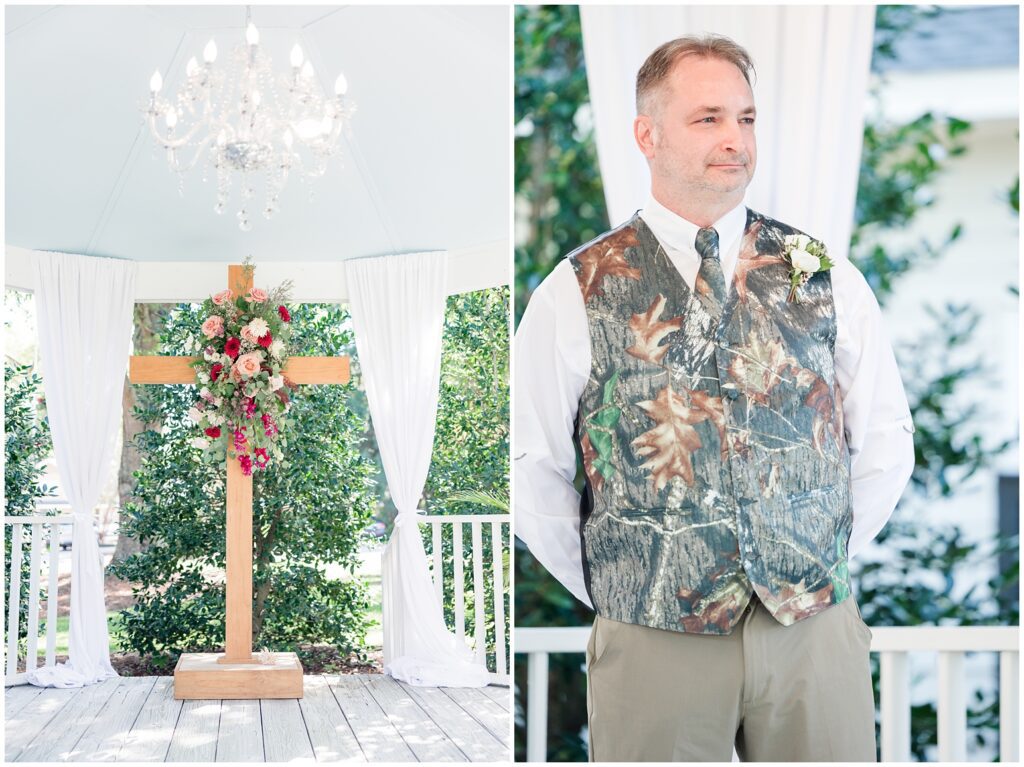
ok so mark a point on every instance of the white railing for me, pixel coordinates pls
(893, 645)
(40, 552)
(499, 527)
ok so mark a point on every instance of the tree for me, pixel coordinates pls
(559, 197)
(26, 446)
(148, 319)
(469, 470)
(308, 512)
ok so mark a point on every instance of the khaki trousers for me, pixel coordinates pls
(777, 693)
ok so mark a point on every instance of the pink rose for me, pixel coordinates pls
(257, 296)
(248, 365)
(214, 326)
(248, 335)
(224, 297)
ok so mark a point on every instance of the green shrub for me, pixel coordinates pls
(27, 445)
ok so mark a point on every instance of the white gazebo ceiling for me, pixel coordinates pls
(424, 167)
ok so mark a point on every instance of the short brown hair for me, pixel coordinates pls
(660, 62)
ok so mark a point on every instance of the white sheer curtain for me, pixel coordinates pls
(84, 316)
(812, 66)
(397, 305)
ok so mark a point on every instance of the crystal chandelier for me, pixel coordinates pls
(242, 119)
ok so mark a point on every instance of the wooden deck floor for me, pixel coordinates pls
(368, 718)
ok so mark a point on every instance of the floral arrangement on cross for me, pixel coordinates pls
(243, 395)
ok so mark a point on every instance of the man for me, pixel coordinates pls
(743, 430)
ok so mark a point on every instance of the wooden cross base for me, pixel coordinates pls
(200, 676)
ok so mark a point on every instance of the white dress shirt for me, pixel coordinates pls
(552, 367)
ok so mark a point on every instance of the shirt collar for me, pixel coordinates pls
(677, 233)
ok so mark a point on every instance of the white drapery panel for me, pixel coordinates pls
(812, 66)
(84, 315)
(397, 305)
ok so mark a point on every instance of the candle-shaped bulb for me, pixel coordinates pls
(192, 67)
(210, 52)
(252, 35)
(340, 85)
(171, 117)
(307, 70)
(156, 82)
(297, 56)
(288, 139)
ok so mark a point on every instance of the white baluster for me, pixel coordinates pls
(479, 615)
(14, 603)
(438, 546)
(1009, 707)
(894, 702)
(32, 642)
(537, 707)
(952, 708)
(52, 596)
(497, 551)
(459, 585)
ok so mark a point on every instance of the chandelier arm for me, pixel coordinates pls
(172, 143)
(200, 150)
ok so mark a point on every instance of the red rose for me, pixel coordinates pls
(213, 432)
(265, 340)
(283, 311)
(232, 347)
(215, 372)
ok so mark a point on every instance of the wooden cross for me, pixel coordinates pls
(176, 370)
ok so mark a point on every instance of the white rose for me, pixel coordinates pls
(258, 327)
(276, 348)
(804, 261)
(201, 443)
(276, 382)
(195, 415)
(204, 393)
(203, 378)
(210, 356)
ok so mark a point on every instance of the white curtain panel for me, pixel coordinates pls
(397, 305)
(84, 316)
(812, 67)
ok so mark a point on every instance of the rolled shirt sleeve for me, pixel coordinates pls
(877, 421)
(552, 365)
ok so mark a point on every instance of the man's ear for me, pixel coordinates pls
(643, 132)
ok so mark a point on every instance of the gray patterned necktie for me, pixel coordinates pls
(710, 283)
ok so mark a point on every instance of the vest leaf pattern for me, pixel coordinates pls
(712, 438)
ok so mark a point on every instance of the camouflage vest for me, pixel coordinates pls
(714, 451)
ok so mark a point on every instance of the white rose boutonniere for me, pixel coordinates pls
(805, 257)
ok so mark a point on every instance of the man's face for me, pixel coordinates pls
(700, 138)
